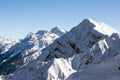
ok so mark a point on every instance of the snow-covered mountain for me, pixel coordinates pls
(4, 41)
(5, 44)
(25, 51)
(89, 51)
(58, 31)
(106, 70)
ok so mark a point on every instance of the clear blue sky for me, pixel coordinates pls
(19, 17)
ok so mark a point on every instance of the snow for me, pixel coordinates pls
(89, 51)
(5, 40)
(107, 70)
(6, 43)
(25, 51)
(58, 31)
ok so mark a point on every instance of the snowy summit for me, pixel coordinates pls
(89, 51)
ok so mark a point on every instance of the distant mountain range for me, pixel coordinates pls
(89, 51)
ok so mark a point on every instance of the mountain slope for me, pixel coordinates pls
(79, 40)
(88, 46)
(4, 42)
(107, 70)
(25, 51)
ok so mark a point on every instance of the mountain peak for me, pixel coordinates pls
(88, 20)
(4, 40)
(46, 55)
(97, 26)
(58, 31)
(55, 28)
(41, 32)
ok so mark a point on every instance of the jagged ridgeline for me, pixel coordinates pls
(89, 51)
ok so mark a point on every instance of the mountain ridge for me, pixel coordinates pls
(85, 46)
(26, 50)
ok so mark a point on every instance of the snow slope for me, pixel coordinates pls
(107, 70)
(5, 40)
(25, 51)
(6, 43)
(87, 52)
